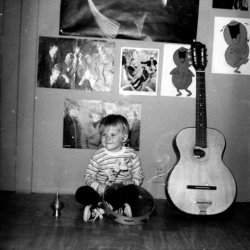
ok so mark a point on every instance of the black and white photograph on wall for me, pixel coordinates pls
(78, 64)
(178, 74)
(231, 4)
(139, 71)
(231, 46)
(82, 121)
(172, 21)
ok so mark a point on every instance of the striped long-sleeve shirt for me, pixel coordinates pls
(107, 167)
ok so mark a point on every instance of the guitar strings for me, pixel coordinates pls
(201, 133)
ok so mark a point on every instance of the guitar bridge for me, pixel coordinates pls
(203, 205)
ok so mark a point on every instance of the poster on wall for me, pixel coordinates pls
(231, 46)
(82, 120)
(178, 74)
(139, 71)
(79, 64)
(231, 4)
(158, 20)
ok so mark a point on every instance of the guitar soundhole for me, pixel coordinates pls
(199, 153)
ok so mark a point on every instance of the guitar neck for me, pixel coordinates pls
(201, 115)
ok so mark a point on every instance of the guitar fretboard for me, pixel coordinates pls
(201, 115)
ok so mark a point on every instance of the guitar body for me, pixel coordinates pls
(200, 183)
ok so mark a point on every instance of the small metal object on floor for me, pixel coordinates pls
(57, 205)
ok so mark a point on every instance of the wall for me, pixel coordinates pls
(9, 44)
(42, 165)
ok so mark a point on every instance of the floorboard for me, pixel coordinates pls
(26, 222)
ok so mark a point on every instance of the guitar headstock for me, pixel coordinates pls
(199, 56)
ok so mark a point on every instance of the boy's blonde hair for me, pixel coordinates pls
(113, 120)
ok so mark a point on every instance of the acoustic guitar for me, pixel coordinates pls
(200, 183)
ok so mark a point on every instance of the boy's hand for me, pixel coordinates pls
(65, 78)
(128, 182)
(101, 189)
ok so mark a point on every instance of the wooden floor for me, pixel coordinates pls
(26, 222)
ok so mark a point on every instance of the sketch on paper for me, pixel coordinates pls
(79, 64)
(231, 46)
(139, 71)
(178, 74)
(82, 120)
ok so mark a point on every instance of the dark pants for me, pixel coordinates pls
(117, 197)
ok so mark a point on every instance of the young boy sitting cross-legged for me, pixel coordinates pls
(114, 163)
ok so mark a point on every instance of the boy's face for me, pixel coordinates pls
(53, 51)
(96, 117)
(55, 74)
(130, 115)
(68, 60)
(73, 112)
(77, 50)
(112, 139)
